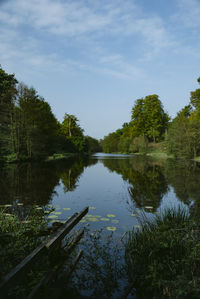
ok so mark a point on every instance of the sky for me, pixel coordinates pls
(94, 58)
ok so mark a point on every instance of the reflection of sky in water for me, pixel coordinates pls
(170, 200)
(105, 193)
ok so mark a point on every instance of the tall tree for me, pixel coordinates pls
(70, 126)
(195, 97)
(149, 118)
(36, 125)
(7, 99)
(73, 134)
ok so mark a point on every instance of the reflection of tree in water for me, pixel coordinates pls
(148, 183)
(71, 175)
(34, 183)
(29, 183)
(184, 177)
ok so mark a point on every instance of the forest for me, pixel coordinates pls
(29, 129)
(150, 124)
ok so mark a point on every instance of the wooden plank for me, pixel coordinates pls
(44, 281)
(73, 266)
(17, 273)
(65, 230)
(69, 249)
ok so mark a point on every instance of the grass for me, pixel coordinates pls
(197, 159)
(158, 150)
(12, 158)
(62, 156)
(163, 258)
(18, 235)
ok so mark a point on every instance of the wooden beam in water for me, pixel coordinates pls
(52, 243)
(52, 273)
(73, 266)
(16, 274)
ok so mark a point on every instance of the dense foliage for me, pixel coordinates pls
(184, 132)
(29, 129)
(149, 123)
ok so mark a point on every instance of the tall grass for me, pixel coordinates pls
(163, 258)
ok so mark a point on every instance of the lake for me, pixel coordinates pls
(120, 190)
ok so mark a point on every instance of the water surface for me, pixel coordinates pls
(119, 189)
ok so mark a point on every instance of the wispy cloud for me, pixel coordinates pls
(72, 18)
(189, 13)
(85, 24)
(93, 27)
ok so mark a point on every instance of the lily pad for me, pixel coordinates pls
(38, 208)
(148, 207)
(92, 208)
(57, 213)
(110, 215)
(105, 219)
(137, 226)
(134, 215)
(111, 228)
(52, 216)
(115, 221)
(67, 209)
(83, 220)
(20, 204)
(54, 221)
(92, 219)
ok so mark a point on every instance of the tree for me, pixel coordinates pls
(70, 126)
(36, 126)
(73, 134)
(93, 145)
(184, 134)
(195, 97)
(7, 99)
(110, 142)
(149, 118)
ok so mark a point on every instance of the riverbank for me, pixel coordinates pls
(56, 156)
(158, 150)
(155, 150)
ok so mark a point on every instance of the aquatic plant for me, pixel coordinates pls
(100, 272)
(163, 256)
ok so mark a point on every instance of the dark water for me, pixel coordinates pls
(117, 188)
(120, 191)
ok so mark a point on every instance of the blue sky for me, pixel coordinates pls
(94, 58)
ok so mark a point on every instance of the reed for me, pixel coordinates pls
(163, 257)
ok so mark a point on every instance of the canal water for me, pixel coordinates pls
(120, 190)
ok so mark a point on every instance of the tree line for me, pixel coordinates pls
(29, 129)
(151, 124)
